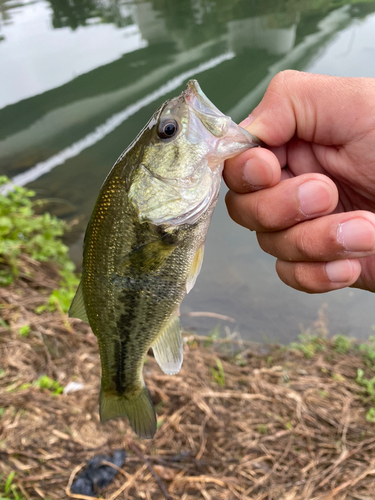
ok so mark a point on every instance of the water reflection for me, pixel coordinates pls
(275, 33)
(71, 13)
(91, 65)
(166, 41)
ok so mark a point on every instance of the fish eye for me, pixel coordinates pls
(167, 129)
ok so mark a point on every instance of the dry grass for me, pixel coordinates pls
(290, 428)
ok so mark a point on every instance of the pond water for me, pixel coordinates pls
(80, 78)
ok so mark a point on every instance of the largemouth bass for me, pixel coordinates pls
(143, 247)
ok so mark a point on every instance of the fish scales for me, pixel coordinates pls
(143, 246)
(133, 296)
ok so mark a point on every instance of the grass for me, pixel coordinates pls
(342, 343)
(218, 373)
(309, 344)
(368, 352)
(9, 490)
(369, 388)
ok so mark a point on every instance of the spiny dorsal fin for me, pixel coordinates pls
(168, 349)
(77, 308)
(195, 268)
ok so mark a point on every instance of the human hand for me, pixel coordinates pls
(311, 196)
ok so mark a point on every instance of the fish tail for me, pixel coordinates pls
(139, 410)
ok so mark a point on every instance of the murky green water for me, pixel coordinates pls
(78, 80)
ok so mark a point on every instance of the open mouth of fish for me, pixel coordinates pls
(229, 136)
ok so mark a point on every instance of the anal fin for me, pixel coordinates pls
(77, 308)
(168, 349)
(195, 268)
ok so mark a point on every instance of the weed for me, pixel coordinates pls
(61, 298)
(8, 490)
(4, 324)
(218, 373)
(368, 352)
(22, 231)
(342, 344)
(309, 344)
(239, 360)
(24, 330)
(159, 406)
(214, 335)
(368, 384)
(262, 429)
(269, 360)
(370, 415)
(25, 386)
(337, 377)
(44, 382)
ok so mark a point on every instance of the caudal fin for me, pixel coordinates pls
(139, 410)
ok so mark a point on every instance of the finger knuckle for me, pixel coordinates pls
(302, 276)
(283, 77)
(265, 242)
(304, 245)
(263, 214)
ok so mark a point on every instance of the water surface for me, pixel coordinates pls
(80, 79)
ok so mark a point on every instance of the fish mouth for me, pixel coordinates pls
(231, 139)
(211, 117)
(226, 138)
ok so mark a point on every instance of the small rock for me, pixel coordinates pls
(97, 476)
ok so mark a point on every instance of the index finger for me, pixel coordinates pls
(297, 199)
(309, 106)
(255, 169)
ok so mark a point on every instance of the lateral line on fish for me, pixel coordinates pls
(125, 327)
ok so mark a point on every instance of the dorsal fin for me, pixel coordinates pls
(77, 308)
(168, 348)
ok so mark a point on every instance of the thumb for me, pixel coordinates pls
(322, 109)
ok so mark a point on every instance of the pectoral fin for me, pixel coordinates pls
(150, 256)
(195, 268)
(77, 308)
(168, 349)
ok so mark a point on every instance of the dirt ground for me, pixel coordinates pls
(265, 424)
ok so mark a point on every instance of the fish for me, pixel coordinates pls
(144, 245)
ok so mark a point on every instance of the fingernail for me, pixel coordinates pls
(247, 121)
(339, 271)
(356, 235)
(257, 173)
(314, 198)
